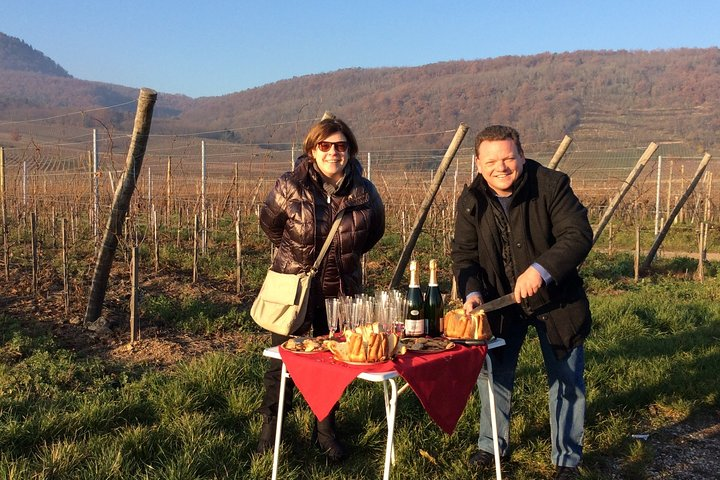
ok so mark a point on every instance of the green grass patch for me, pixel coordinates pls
(198, 316)
(652, 360)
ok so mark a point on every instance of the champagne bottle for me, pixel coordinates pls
(434, 308)
(414, 319)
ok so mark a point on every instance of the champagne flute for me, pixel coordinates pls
(331, 311)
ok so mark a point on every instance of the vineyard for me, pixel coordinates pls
(192, 228)
(197, 198)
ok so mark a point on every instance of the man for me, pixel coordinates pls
(521, 229)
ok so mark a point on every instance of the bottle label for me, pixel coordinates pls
(414, 327)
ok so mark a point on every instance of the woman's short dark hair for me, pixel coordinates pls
(323, 129)
(498, 132)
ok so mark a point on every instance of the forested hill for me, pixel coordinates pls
(18, 55)
(628, 97)
(637, 96)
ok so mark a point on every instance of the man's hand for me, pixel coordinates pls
(527, 284)
(472, 301)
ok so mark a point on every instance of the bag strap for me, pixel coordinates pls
(327, 243)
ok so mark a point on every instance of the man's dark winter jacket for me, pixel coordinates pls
(548, 225)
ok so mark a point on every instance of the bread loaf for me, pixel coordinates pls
(361, 347)
(458, 324)
(356, 351)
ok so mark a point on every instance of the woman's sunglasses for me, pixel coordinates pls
(340, 147)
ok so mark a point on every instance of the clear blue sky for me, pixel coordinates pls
(218, 47)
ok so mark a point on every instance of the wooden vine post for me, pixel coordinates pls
(168, 191)
(560, 153)
(121, 203)
(427, 203)
(649, 151)
(238, 254)
(203, 199)
(6, 252)
(34, 248)
(702, 250)
(134, 294)
(678, 207)
(196, 241)
(636, 257)
(156, 240)
(65, 274)
(95, 163)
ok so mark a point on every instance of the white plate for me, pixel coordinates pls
(321, 348)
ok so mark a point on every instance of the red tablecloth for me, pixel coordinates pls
(321, 379)
(442, 381)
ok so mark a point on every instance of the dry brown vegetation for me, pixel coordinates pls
(599, 97)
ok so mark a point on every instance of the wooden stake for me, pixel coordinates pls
(121, 203)
(134, 297)
(255, 194)
(33, 241)
(560, 153)
(73, 224)
(179, 227)
(706, 205)
(155, 239)
(678, 207)
(95, 161)
(65, 274)
(669, 190)
(681, 213)
(238, 254)
(6, 249)
(427, 203)
(649, 151)
(168, 191)
(196, 229)
(701, 249)
(53, 222)
(636, 263)
(203, 200)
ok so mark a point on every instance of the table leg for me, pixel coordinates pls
(386, 396)
(493, 417)
(278, 429)
(390, 408)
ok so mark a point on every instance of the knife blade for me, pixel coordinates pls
(496, 304)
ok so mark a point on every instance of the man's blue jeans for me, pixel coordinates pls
(566, 397)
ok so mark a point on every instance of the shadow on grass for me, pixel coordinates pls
(651, 362)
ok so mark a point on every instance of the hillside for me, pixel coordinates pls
(635, 96)
(34, 86)
(622, 97)
(18, 55)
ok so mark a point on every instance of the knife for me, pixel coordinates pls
(496, 304)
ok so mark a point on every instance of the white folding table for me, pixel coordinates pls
(390, 392)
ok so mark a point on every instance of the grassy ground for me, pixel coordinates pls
(652, 360)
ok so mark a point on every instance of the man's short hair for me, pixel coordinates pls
(499, 132)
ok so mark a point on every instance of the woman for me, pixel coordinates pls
(297, 217)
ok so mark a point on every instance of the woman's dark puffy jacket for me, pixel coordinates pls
(297, 217)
